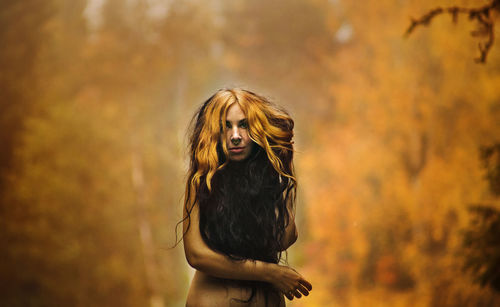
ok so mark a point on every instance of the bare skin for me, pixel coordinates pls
(218, 279)
(210, 291)
(238, 141)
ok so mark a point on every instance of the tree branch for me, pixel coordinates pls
(483, 15)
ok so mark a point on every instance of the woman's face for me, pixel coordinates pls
(238, 141)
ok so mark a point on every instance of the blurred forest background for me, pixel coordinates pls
(397, 140)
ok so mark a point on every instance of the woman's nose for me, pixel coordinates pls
(235, 136)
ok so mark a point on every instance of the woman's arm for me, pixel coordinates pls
(204, 259)
(291, 232)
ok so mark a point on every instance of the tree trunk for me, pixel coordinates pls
(146, 237)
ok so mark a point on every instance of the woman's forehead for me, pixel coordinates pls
(235, 113)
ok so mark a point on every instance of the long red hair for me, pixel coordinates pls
(270, 127)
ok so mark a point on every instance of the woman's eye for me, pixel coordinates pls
(244, 125)
(228, 125)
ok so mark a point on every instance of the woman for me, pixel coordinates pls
(238, 209)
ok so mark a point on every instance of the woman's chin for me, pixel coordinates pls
(238, 157)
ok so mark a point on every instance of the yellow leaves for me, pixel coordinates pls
(400, 157)
(388, 133)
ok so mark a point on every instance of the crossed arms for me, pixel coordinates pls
(204, 259)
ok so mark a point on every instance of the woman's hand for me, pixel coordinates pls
(289, 282)
(202, 258)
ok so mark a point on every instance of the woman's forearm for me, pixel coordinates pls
(204, 259)
(283, 278)
(219, 265)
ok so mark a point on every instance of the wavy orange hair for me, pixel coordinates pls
(270, 127)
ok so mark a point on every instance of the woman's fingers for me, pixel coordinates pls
(303, 290)
(296, 293)
(306, 284)
(291, 283)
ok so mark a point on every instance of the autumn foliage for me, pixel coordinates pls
(96, 97)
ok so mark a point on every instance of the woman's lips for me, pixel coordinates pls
(236, 149)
